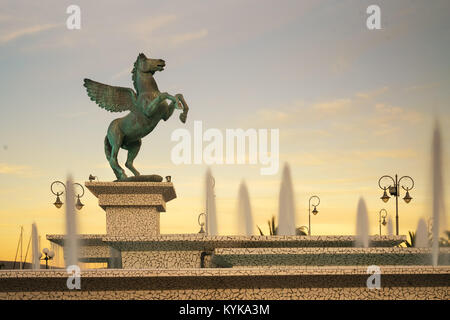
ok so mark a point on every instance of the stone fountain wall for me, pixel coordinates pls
(213, 252)
(132, 211)
(196, 250)
(197, 266)
(312, 282)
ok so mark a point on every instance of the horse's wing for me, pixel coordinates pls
(114, 99)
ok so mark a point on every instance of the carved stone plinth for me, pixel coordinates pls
(132, 208)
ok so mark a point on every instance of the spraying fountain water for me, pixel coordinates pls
(438, 193)
(35, 252)
(286, 205)
(245, 218)
(421, 235)
(362, 225)
(71, 245)
(211, 215)
(390, 227)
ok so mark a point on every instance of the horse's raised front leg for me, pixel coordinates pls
(133, 149)
(150, 107)
(183, 116)
(177, 102)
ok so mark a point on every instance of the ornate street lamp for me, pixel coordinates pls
(58, 203)
(49, 254)
(382, 214)
(394, 190)
(315, 211)
(202, 222)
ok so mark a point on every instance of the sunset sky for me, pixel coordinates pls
(351, 104)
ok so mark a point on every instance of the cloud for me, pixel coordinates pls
(371, 94)
(386, 154)
(185, 37)
(333, 106)
(149, 25)
(151, 31)
(357, 103)
(421, 87)
(276, 116)
(348, 157)
(158, 22)
(10, 36)
(357, 114)
(386, 118)
(11, 169)
(281, 115)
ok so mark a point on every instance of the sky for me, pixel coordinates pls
(351, 104)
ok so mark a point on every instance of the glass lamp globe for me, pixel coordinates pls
(58, 203)
(407, 197)
(78, 204)
(385, 196)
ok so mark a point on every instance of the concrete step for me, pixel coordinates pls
(273, 257)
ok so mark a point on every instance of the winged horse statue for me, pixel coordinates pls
(147, 107)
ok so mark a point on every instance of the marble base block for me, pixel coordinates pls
(132, 208)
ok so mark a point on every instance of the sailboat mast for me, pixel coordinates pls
(21, 247)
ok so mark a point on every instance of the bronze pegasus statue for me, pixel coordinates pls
(147, 107)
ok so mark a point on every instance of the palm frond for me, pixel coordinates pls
(412, 242)
(260, 231)
(300, 231)
(273, 228)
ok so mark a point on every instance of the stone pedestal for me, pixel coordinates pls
(132, 208)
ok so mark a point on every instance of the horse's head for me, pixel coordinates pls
(146, 65)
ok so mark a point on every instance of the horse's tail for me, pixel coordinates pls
(107, 148)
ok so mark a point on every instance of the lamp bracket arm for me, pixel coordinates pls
(77, 184)
(57, 193)
(318, 201)
(386, 176)
(412, 181)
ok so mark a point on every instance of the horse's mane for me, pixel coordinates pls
(134, 72)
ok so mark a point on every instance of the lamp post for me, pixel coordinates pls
(49, 254)
(58, 203)
(380, 215)
(314, 211)
(394, 190)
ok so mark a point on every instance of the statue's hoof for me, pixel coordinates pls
(142, 178)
